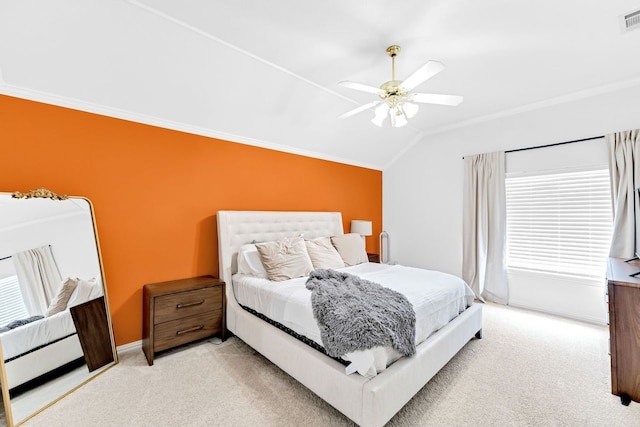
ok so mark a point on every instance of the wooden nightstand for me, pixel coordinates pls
(373, 257)
(181, 311)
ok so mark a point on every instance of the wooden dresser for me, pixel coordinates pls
(181, 311)
(623, 292)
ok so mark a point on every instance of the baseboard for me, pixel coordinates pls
(132, 346)
(570, 316)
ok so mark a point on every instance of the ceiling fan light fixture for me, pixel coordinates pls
(380, 114)
(398, 119)
(410, 109)
(395, 96)
(378, 120)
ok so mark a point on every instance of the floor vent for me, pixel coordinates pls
(632, 20)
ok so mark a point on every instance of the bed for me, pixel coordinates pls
(368, 401)
(39, 347)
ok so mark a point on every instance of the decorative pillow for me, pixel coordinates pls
(285, 259)
(85, 291)
(59, 302)
(323, 254)
(351, 248)
(249, 261)
(96, 290)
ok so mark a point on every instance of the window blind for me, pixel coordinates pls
(12, 307)
(559, 223)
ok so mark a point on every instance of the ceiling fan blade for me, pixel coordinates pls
(360, 109)
(360, 86)
(423, 73)
(435, 98)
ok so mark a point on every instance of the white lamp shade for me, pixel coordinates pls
(410, 109)
(400, 120)
(381, 113)
(363, 228)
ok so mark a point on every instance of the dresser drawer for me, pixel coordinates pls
(181, 311)
(183, 304)
(182, 331)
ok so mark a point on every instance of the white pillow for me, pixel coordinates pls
(249, 261)
(351, 248)
(285, 259)
(85, 291)
(323, 254)
(63, 295)
(96, 290)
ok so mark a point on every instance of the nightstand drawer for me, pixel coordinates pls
(182, 331)
(182, 304)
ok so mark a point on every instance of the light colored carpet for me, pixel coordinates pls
(528, 370)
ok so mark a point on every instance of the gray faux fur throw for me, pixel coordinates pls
(357, 314)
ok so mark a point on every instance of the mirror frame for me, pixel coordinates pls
(45, 193)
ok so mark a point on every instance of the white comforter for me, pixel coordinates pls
(35, 334)
(436, 298)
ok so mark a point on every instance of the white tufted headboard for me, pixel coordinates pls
(236, 228)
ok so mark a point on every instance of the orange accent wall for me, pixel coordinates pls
(156, 191)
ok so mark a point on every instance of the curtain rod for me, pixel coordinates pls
(7, 257)
(552, 145)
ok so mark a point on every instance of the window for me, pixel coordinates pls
(559, 223)
(12, 307)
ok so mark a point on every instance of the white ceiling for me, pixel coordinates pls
(266, 72)
(23, 212)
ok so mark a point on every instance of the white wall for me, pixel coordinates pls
(72, 241)
(422, 191)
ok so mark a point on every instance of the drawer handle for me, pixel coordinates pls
(189, 304)
(195, 328)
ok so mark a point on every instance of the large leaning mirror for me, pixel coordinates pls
(55, 329)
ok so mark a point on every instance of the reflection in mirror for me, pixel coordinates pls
(55, 331)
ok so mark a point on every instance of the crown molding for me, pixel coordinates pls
(76, 104)
(571, 97)
(575, 96)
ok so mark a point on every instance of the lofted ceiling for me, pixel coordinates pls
(266, 72)
(23, 212)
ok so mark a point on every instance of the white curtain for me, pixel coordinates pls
(624, 172)
(38, 277)
(484, 227)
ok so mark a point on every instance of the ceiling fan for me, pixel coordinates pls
(396, 99)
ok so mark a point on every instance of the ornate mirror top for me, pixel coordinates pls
(41, 193)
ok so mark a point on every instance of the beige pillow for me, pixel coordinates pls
(323, 254)
(85, 291)
(351, 248)
(59, 302)
(285, 259)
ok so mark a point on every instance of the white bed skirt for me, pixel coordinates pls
(368, 402)
(43, 360)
